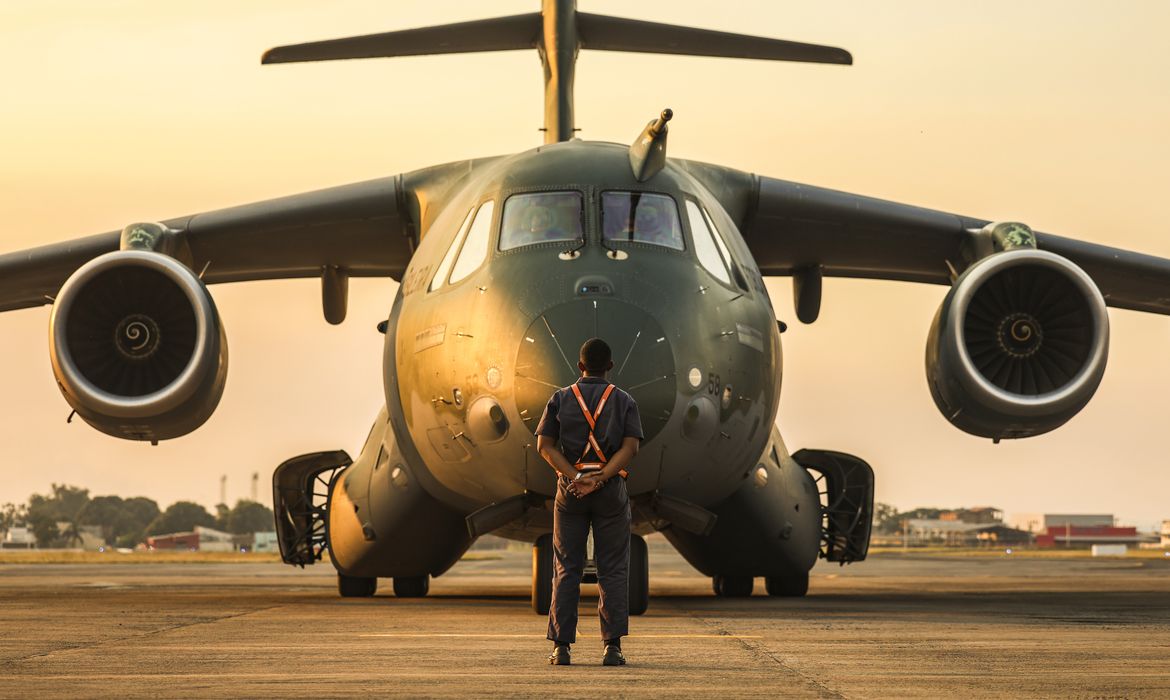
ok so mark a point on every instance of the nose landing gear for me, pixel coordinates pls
(412, 586)
(733, 586)
(356, 586)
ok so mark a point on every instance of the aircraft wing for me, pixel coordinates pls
(365, 229)
(790, 228)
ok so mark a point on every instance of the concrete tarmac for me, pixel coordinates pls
(893, 626)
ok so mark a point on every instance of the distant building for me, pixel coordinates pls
(1084, 531)
(1062, 519)
(952, 533)
(19, 537)
(182, 541)
(92, 537)
(265, 542)
(979, 515)
(1166, 533)
(202, 539)
(88, 537)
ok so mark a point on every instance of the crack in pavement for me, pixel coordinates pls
(759, 650)
(10, 665)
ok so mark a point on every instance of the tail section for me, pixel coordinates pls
(604, 33)
(558, 32)
(498, 34)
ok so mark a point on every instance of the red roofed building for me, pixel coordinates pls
(1085, 531)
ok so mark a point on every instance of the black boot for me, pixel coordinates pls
(559, 655)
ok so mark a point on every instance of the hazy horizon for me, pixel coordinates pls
(1051, 113)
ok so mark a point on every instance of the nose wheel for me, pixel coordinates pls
(733, 586)
(542, 574)
(793, 586)
(356, 586)
(411, 586)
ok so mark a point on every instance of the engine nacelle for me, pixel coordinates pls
(1018, 346)
(137, 346)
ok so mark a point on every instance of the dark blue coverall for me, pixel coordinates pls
(607, 510)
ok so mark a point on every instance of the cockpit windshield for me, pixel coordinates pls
(640, 217)
(541, 217)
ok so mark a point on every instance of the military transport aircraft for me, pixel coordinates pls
(508, 263)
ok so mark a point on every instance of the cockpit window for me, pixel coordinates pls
(717, 261)
(445, 266)
(709, 253)
(640, 217)
(541, 217)
(475, 250)
(736, 273)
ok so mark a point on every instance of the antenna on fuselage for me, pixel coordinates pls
(558, 32)
(648, 152)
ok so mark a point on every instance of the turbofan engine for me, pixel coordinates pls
(1018, 346)
(137, 346)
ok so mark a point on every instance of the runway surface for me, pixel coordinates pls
(894, 626)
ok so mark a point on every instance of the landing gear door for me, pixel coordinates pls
(845, 484)
(300, 497)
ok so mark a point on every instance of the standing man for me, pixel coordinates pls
(597, 426)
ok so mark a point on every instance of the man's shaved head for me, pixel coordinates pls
(596, 355)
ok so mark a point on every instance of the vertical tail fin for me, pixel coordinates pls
(558, 32)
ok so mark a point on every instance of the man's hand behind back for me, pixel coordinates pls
(586, 485)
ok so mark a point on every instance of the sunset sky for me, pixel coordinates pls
(1052, 113)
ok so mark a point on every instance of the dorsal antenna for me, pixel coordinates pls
(558, 32)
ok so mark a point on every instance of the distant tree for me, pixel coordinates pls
(108, 513)
(181, 516)
(140, 512)
(12, 514)
(886, 519)
(64, 505)
(222, 513)
(123, 522)
(249, 516)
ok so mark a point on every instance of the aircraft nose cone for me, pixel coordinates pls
(643, 363)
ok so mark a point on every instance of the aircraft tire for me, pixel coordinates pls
(733, 586)
(356, 586)
(542, 574)
(411, 586)
(639, 576)
(787, 586)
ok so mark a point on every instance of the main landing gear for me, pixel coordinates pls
(733, 586)
(365, 587)
(793, 586)
(542, 574)
(356, 586)
(411, 586)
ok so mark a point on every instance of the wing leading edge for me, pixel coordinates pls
(789, 228)
(365, 229)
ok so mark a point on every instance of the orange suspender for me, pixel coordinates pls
(591, 419)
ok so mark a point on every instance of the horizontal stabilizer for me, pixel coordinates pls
(497, 34)
(604, 33)
(558, 32)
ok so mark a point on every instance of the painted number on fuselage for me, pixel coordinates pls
(714, 384)
(416, 279)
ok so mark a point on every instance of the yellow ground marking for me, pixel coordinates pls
(530, 636)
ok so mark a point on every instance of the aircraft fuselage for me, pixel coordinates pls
(700, 355)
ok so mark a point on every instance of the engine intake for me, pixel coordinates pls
(1018, 346)
(137, 346)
